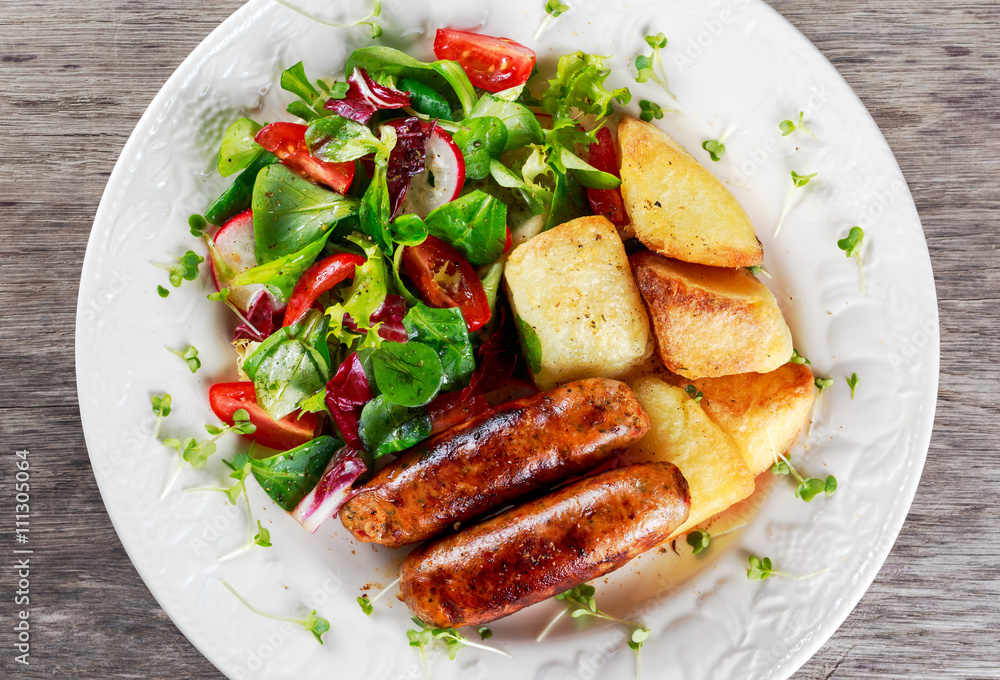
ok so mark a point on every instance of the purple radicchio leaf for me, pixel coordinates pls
(332, 491)
(365, 97)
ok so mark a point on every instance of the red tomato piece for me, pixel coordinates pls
(493, 64)
(291, 431)
(607, 202)
(454, 408)
(318, 279)
(446, 279)
(287, 141)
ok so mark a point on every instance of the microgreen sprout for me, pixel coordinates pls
(647, 66)
(580, 602)
(162, 292)
(219, 296)
(186, 268)
(787, 127)
(316, 625)
(851, 245)
(485, 633)
(190, 355)
(761, 569)
(424, 635)
(758, 269)
(368, 605)
(197, 224)
(695, 394)
(553, 10)
(369, 20)
(161, 409)
(823, 384)
(852, 382)
(798, 182)
(649, 110)
(197, 452)
(241, 469)
(715, 148)
(700, 539)
(807, 489)
(798, 359)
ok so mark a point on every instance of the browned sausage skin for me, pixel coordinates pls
(547, 546)
(491, 460)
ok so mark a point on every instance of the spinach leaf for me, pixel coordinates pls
(569, 201)
(425, 99)
(491, 276)
(237, 197)
(437, 75)
(376, 211)
(409, 230)
(522, 125)
(290, 212)
(294, 80)
(336, 139)
(565, 160)
(475, 224)
(388, 428)
(290, 366)
(407, 374)
(531, 345)
(444, 331)
(288, 476)
(480, 140)
(280, 275)
(238, 148)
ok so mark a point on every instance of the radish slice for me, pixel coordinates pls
(442, 180)
(235, 243)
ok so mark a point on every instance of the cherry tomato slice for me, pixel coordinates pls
(493, 64)
(446, 279)
(287, 141)
(291, 431)
(607, 202)
(318, 279)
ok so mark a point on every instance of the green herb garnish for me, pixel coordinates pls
(186, 269)
(715, 148)
(798, 359)
(647, 66)
(852, 382)
(787, 127)
(161, 409)
(424, 635)
(762, 569)
(190, 356)
(798, 182)
(316, 625)
(851, 245)
(649, 110)
(553, 9)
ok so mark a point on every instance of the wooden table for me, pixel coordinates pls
(74, 79)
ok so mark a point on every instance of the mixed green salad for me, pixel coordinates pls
(362, 247)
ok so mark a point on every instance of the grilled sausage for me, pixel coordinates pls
(547, 546)
(485, 463)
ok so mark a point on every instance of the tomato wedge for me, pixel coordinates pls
(446, 279)
(607, 202)
(318, 279)
(291, 431)
(493, 64)
(287, 141)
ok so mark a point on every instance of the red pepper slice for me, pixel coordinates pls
(318, 279)
(493, 64)
(291, 431)
(446, 279)
(287, 141)
(607, 202)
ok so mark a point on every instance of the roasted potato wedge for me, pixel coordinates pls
(676, 206)
(572, 291)
(710, 322)
(684, 435)
(751, 406)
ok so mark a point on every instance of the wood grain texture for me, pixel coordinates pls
(74, 79)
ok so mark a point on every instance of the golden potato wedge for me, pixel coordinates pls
(676, 206)
(571, 288)
(684, 435)
(708, 321)
(750, 406)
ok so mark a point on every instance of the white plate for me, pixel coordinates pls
(733, 65)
